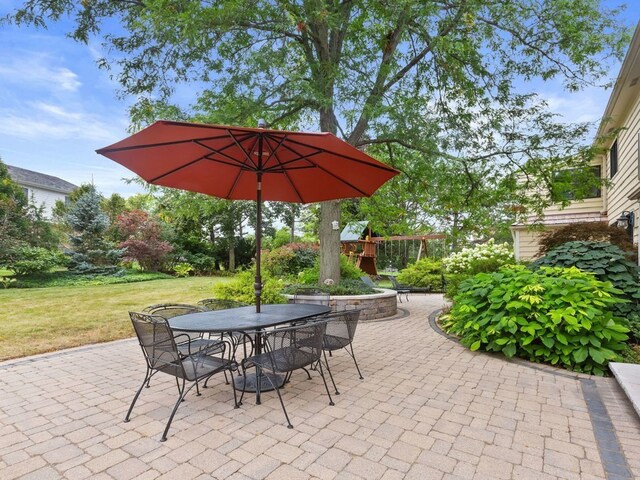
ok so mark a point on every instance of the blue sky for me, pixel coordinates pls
(57, 107)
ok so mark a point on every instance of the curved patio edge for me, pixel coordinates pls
(373, 306)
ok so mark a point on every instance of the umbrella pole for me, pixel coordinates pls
(258, 280)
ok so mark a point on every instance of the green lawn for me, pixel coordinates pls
(37, 320)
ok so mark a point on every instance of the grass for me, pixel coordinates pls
(39, 320)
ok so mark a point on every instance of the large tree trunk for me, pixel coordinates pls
(329, 213)
(329, 241)
(232, 257)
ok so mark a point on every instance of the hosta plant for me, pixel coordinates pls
(608, 263)
(560, 316)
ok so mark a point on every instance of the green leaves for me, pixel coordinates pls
(561, 317)
(608, 263)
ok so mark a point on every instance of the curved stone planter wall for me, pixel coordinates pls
(377, 305)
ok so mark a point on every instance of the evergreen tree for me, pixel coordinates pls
(90, 251)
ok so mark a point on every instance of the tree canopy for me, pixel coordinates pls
(444, 90)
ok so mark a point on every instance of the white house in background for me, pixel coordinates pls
(41, 189)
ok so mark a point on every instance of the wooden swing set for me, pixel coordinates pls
(364, 250)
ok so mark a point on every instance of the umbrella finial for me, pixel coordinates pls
(262, 123)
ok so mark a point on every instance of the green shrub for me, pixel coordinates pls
(423, 273)
(560, 316)
(241, 289)
(289, 260)
(608, 263)
(452, 283)
(74, 279)
(182, 269)
(32, 260)
(348, 270)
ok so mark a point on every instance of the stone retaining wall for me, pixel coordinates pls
(378, 305)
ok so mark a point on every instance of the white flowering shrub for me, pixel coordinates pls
(489, 255)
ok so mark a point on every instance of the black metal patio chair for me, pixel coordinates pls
(400, 288)
(341, 328)
(162, 354)
(366, 279)
(236, 338)
(171, 310)
(287, 350)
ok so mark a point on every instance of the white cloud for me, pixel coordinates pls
(45, 121)
(38, 70)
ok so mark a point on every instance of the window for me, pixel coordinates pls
(25, 190)
(613, 159)
(571, 183)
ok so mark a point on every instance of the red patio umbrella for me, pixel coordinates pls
(250, 164)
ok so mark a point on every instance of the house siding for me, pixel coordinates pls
(45, 198)
(527, 243)
(626, 179)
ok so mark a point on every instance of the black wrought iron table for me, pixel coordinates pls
(246, 319)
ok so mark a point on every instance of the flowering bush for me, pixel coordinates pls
(480, 258)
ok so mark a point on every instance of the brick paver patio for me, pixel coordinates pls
(427, 409)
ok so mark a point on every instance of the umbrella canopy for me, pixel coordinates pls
(250, 164)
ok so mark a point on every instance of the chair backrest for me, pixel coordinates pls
(220, 304)
(342, 324)
(394, 282)
(295, 347)
(170, 310)
(368, 282)
(157, 343)
(320, 297)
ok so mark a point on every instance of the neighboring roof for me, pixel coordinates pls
(563, 219)
(353, 231)
(26, 177)
(626, 88)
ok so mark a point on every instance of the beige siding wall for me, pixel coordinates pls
(526, 243)
(626, 179)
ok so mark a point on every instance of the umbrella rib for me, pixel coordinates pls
(246, 154)
(378, 165)
(349, 184)
(286, 174)
(236, 163)
(274, 150)
(165, 174)
(103, 151)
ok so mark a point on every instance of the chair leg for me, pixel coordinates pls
(353, 355)
(326, 387)
(277, 389)
(183, 393)
(329, 370)
(307, 372)
(233, 387)
(147, 377)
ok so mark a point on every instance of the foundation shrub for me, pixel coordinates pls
(608, 263)
(559, 316)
